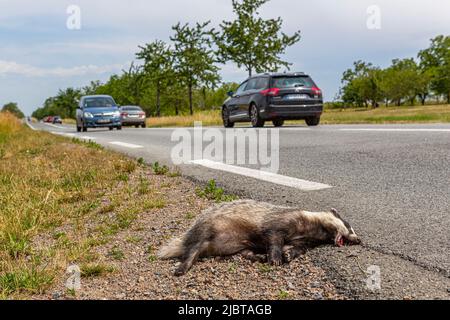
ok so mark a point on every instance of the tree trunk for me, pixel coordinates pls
(448, 98)
(423, 97)
(177, 107)
(158, 101)
(191, 108)
(399, 102)
(204, 97)
(250, 71)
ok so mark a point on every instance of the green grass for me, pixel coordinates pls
(50, 183)
(403, 114)
(95, 270)
(381, 115)
(212, 192)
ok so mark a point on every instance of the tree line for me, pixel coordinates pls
(405, 81)
(184, 74)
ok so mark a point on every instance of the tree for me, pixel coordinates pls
(13, 108)
(158, 67)
(436, 59)
(194, 59)
(361, 85)
(251, 41)
(402, 80)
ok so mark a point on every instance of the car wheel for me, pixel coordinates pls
(144, 125)
(312, 121)
(226, 119)
(110, 128)
(119, 128)
(136, 126)
(255, 118)
(278, 123)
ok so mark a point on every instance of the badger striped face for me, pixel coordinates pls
(344, 232)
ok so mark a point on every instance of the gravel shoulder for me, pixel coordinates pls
(134, 272)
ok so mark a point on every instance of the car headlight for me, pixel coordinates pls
(88, 115)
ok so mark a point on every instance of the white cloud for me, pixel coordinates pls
(14, 68)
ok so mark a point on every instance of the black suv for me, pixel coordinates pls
(274, 97)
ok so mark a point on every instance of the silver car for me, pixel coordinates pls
(132, 116)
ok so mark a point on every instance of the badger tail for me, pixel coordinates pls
(174, 249)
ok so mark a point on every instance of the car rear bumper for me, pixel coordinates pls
(294, 112)
(132, 121)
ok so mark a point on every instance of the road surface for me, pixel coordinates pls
(391, 182)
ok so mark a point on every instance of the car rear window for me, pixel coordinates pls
(292, 82)
(131, 109)
(102, 102)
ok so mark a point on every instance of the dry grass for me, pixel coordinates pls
(8, 124)
(59, 199)
(417, 114)
(208, 118)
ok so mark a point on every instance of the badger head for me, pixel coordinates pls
(341, 231)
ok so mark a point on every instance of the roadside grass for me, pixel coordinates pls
(416, 114)
(59, 200)
(207, 117)
(212, 192)
(404, 114)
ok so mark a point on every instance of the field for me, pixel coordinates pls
(417, 114)
(70, 203)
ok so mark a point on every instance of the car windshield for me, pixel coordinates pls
(99, 102)
(292, 82)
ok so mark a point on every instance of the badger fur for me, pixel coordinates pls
(249, 227)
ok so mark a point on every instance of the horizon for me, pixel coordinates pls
(40, 55)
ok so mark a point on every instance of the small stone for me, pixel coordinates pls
(318, 296)
(290, 286)
(56, 295)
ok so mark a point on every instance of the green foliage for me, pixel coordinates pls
(159, 170)
(252, 41)
(13, 108)
(212, 192)
(436, 59)
(158, 66)
(194, 58)
(404, 80)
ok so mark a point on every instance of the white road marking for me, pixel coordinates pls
(397, 129)
(304, 185)
(54, 125)
(87, 138)
(126, 145)
(29, 124)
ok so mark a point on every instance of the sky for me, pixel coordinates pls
(39, 54)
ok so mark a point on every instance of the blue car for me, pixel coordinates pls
(98, 111)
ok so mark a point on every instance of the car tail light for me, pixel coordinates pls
(317, 92)
(124, 114)
(142, 114)
(272, 92)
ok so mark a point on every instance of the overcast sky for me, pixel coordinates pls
(39, 54)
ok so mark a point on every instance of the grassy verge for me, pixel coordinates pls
(59, 200)
(417, 114)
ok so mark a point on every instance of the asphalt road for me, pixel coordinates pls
(391, 182)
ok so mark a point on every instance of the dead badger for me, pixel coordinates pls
(249, 227)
